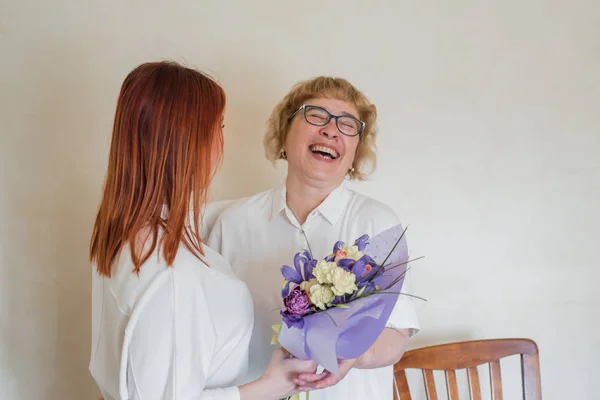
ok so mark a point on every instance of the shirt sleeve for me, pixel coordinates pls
(169, 345)
(215, 238)
(404, 314)
(210, 216)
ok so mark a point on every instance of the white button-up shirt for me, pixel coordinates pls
(258, 235)
(178, 332)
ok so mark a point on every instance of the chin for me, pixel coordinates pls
(331, 177)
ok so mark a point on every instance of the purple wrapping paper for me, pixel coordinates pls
(356, 328)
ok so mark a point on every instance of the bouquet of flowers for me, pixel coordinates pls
(336, 307)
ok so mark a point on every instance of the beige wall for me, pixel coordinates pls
(489, 150)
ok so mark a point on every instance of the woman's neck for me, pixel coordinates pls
(304, 195)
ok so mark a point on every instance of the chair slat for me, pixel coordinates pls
(474, 387)
(451, 385)
(530, 370)
(401, 386)
(429, 385)
(495, 380)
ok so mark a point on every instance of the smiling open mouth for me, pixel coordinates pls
(325, 152)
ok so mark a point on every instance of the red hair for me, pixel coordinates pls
(166, 131)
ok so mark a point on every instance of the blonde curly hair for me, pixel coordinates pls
(337, 88)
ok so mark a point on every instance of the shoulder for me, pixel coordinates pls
(367, 208)
(188, 278)
(202, 275)
(219, 265)
(204, 286)
(211, 213)
(127, 287)
(244, 212)
(259, 202)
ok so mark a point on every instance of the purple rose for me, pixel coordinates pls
(296, 305)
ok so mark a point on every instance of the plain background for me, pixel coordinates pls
(489, 150)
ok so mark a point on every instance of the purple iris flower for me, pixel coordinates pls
(337, 245)
(374, 275)
(362, 267)
(308, 262)
(346, 263)
(302, 271)
(361, 242)
(294, 320)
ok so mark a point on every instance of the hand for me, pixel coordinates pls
(325, 379)
(282, 371)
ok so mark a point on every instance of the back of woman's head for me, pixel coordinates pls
(166, 142)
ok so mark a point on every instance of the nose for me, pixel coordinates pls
(330, 130)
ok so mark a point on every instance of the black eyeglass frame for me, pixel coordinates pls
(336, 117)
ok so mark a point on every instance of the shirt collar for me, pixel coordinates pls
(331, 208)
(279, 203)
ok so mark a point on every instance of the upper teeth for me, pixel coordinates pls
(324, 149)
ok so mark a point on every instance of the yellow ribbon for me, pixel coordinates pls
(275, 342)
(275, 338)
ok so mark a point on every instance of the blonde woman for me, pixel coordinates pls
(324, 129)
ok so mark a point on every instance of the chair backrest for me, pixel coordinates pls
(468, 355)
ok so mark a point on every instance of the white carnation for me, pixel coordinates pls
(344, 282)
(323, 271)
(321, 295)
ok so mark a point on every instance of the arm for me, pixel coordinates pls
(276, 383)
(393, 341)
(387, 349)
(171, 345)
(169, 353)
(402, 324)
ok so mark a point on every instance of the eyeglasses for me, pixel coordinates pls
(346, 124)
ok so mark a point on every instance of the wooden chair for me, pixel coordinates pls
(468, 355)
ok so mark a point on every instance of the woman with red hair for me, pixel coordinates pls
(169, 318)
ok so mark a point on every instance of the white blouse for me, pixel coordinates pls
(170, 333)
(258, 235)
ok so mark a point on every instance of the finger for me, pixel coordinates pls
(304, 388)
(326, 382)
(278, 354)
(309, 365)
(304, 367)
(299, 382)
(313, 377)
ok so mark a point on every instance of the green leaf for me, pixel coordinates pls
(393, 248)
(342, 306)
(360, 292)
